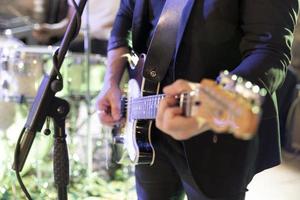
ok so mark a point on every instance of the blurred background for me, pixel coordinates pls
(30, 31)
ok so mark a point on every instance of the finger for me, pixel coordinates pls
(177, 87)
(163, 105)
(180, 86)
(165, 117)
(180, 127)
(170, 114)
(103, 111)
(102, 105)
(187, 127)
(243, 136)
(176, 123)
(116, 112)
(202, 124)
(116, 108)
(106, 119)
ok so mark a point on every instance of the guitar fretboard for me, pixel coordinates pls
(144, 107)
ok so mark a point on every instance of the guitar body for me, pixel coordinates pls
(138, 132)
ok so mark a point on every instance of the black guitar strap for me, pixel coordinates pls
(163, 42)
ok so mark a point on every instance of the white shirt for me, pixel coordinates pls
(101, 17)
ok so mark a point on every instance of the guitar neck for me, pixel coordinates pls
(227, 106)
(143, 107)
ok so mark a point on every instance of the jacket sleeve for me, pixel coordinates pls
(267, 27)
(121, 31)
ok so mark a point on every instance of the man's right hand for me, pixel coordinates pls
(43, 32)
(108, 102)
(108, 105)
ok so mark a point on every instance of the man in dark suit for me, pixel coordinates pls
(250, 38)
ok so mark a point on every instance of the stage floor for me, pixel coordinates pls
(278, 183)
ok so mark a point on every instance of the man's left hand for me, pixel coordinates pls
(169, 116)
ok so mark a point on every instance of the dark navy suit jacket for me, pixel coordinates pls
(258, 44)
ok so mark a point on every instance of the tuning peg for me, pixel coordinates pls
(255, 89)
(248, 85)
(240, 80)
(255, 109)
(263, 92)
(234, 77)
(225, 72)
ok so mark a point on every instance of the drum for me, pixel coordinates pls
(7, 107)
(22, 68)
(75, 74)
(7, 42)
(27, 67)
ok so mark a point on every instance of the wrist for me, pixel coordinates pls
(111, 83)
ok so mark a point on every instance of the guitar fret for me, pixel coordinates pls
(152, 108)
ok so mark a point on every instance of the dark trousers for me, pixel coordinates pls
(169, 177)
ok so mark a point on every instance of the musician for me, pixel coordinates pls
(17, 8)
(101, 18)
(250, 38)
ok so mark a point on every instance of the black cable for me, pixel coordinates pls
(16, 157)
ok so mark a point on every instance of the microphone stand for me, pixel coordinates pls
(47, 105)
(58, 111)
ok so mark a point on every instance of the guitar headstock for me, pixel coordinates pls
(232, 105)
(249, 91)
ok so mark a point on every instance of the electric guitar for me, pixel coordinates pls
(232, 105)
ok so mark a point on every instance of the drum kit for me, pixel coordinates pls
(22, 68)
